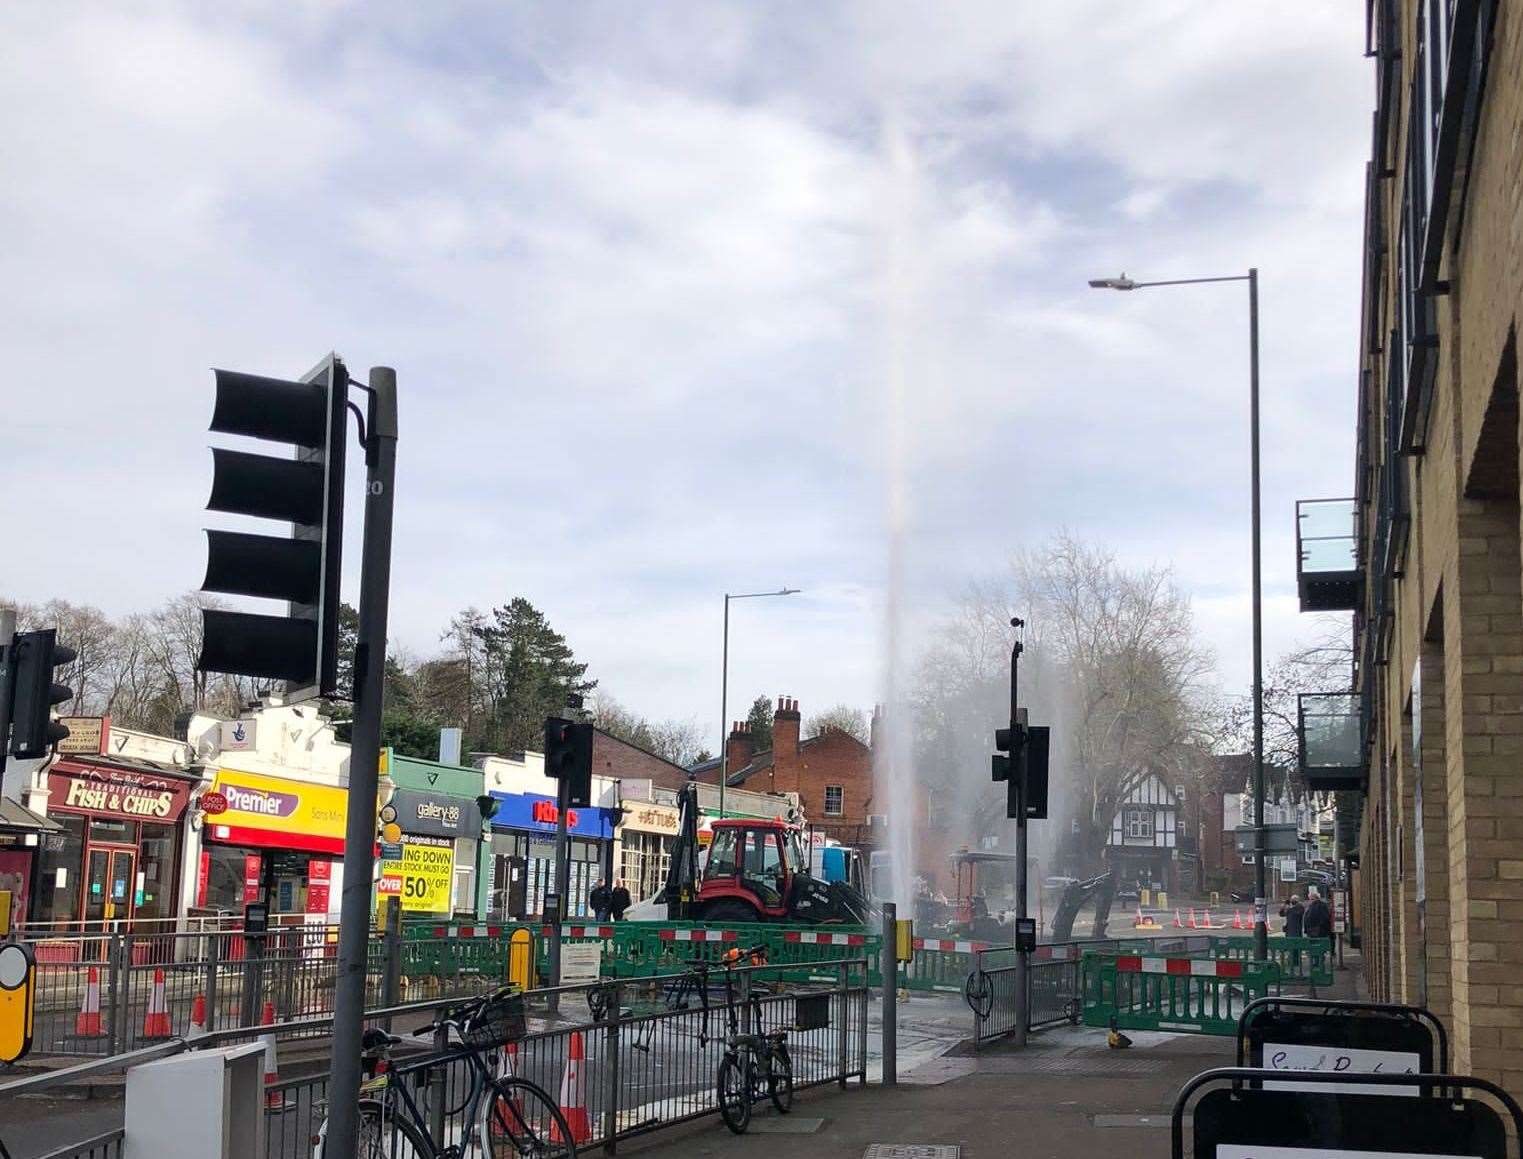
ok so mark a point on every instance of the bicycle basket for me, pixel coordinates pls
(497, 1020)
(811, 1011)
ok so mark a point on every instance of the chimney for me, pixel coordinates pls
(740, 747)
(875, 729)
(785, 731)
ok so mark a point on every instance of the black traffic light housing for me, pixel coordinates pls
(307, 492)
(33, 692)
(1026, 765)
(568, 757)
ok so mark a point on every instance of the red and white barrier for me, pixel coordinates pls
(700, 936)
(1194, 967)
(948, 945)
(468, 932)
(810, 938)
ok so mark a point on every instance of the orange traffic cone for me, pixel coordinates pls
(156, 1017)
(1237, 919)
(504, 1127)
(573, 1097)
(87, 1021)
(198, 1014)
(1178, 923)
(273, 1100)
(1193, 924)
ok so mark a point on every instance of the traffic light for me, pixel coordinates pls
(1007, 769)
(568, 757)
(1034, 760)
(33, 656)
(302, 568)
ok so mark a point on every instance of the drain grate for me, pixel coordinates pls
(911, 1151)
(1068, 1066)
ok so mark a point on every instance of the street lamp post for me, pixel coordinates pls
(1260, 912)
(724, 686)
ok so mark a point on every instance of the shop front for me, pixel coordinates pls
(115, 856)
(271, 839)
(523, 855)
(646, 839)
(435, 868)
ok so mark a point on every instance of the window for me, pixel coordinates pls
(764, 866)
(1139, 824)
(721, 861)
(835, 800)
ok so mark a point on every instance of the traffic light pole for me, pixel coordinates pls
(1018, 774)
(562, 884)
(364, 763)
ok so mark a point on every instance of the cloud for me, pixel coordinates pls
(636, 270)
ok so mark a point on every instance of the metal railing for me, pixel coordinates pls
(100, 995)
(644, 1066)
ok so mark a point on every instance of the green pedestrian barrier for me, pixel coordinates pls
(1196, 995)
(1307, 961)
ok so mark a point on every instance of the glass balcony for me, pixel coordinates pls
(1327, 555)
(1331, 735)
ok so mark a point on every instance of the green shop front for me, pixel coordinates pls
(437, 869)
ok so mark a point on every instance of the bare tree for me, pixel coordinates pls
(842, 718)
(679, 741)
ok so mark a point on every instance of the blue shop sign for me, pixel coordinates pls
(537, 814)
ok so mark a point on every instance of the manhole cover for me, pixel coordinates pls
(911, 1151)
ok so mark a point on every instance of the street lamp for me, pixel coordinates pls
(724, 686)
(1260, 918)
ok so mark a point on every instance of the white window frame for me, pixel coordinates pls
(1137, 824)
(840, 792)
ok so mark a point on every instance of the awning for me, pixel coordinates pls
(15, 815)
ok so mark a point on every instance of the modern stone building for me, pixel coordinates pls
(1428, 744)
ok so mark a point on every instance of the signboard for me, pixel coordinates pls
(657, 819)
(319, 882)
(87, 734)
(212, 804)
(1340, 911)
(538, 814)
(423, 876)
(238, 735)
(581, 962)
(101, 791)
(279, 813)
(1291, 1056)
(436, 814)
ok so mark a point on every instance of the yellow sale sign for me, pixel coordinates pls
(423, 875)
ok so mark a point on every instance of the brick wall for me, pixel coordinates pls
(806, 767)
(612, 757)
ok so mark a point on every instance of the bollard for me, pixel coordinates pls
(611, 1070)
(843, 974)
(213, 958)
(439, 1091)
(888, 970)
(116, 1005)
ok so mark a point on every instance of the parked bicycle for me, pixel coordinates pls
(501, 1115)
(756, 1064)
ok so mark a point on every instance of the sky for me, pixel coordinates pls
(690, 298)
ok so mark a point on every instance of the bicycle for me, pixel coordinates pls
(751, 1059)
(504, 1115)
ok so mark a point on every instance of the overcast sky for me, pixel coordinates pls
(652, 277)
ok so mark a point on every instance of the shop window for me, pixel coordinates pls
(158, 869)
(110, 830)
(55, 897)
(835, 797)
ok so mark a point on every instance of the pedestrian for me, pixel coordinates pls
(1294, 914)
(620, 900)
(601, 899)
(1319, 919)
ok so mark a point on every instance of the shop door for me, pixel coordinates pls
(109, 878)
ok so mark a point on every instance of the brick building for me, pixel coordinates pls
(612, 757)
(1426, 746)
(832, 773)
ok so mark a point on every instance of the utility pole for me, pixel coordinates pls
(562, 885)
(364, 763)
(7, 664)
(1260, 883)
(1017, 774)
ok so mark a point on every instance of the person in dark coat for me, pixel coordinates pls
(621, 900)
(1319, 919)
(601, 900)
(1294, 914)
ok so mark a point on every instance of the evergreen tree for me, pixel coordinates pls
(760, 720)
(529, 672)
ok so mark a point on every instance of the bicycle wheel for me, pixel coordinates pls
(736, 1081)
(780, 1079)
(380, 1134)
(521, 1119)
